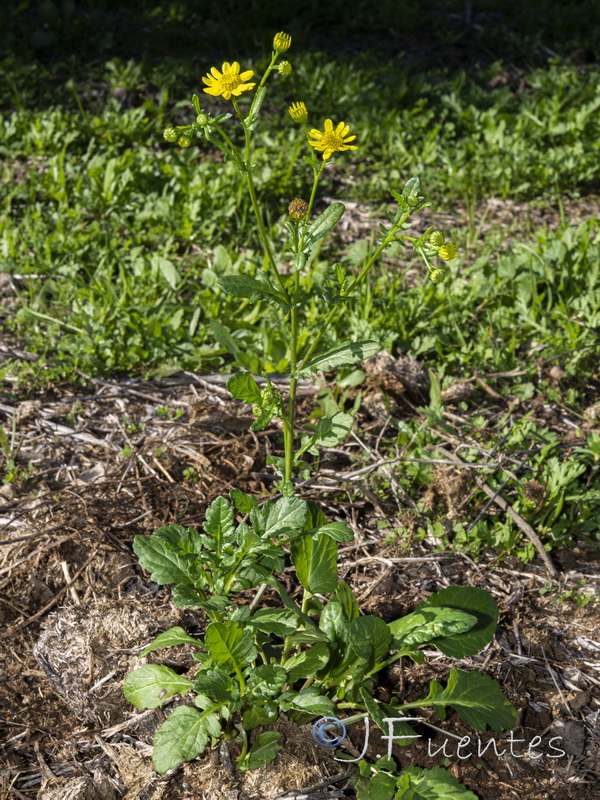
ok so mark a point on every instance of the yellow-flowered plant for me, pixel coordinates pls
(308, 667)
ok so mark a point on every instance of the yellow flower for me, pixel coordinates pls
(229, 82)
(298, 112)
(282, 42)
(448, 251)
(330, 140)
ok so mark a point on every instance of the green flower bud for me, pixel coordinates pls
(184, 141)
(170, 135)
(437, 238)
(202, 118)
(448, 251)
(437, 275)
(284, 68)
(298, 112)
(413, 200)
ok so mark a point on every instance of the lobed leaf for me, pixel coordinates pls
(469, 600)
(230, 645)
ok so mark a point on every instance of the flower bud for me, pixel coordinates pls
(284, 68)
(184, 141)
(298, 112)
(437, 275)
(437, 238)
(282, 42)
(413, 200)
(298, 208)
(448, 251)
(202, 118)
(170, 135)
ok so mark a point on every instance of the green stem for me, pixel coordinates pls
(261, 227)
(328, 320)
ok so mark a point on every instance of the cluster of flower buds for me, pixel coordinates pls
(445, 250)
(298, 208)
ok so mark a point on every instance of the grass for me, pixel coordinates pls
(117, 239)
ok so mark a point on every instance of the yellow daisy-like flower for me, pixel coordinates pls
(229, 82)
(329, 141)
(448, 251)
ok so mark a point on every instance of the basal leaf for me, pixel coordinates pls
(281, 622)
(315, 560)
(379, 712)
(429, 623)
(243, 387)
(150, 685)
(323, 224)
(338, 531)
(266, 681)
(339, 356)
(219, 523)
(469, 600)
(435, 783)
(163, 561)
(215, 683)
(287, 512)
(242, 501)
(182, 737)
(260, 714)
(307, 663)
(263, 751)
(376, 787)
(347, 599)
(477, 698)
(230, 645)
(308, 700)
(370, 638)
(170, 638)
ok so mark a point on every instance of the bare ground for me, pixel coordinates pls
(76, 609)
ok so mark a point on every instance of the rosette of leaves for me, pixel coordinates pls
(256, 664)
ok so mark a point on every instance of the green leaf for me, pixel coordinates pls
(168, 270)
(370, 638)
(170, 638)
(315, 560)
(477, 698)
(338, 531)
(428, 623)
(251, 288)
(163, 558)
(339, 356)
(290, 603)
(259, 714)
(242, 501)
(219, 523)
(281, 622)
(150, 685)
(323, 224)
(263, 751)
(226, 340)
(470, 600)
(243, 387)
(182, 737)
(307, 663)
(217, 684)
(376, 787)
(266, 412)
(378, 712)
(266, 681)
(436, 783)
(329, 431)
(347, 599)
(307, 700)
(230, 645)
(283, 514)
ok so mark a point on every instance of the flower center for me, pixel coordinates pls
(230, 82)
(332, 139)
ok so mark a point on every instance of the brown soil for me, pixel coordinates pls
(76, 610)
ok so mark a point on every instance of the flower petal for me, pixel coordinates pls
(345, 130)
(235, 68)
(328, 125)
(209, 81)
(349, 138)
(315, 134)
(214, 91)
(226, 68)
(247, 74)
(340, 128)
(216, 73)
